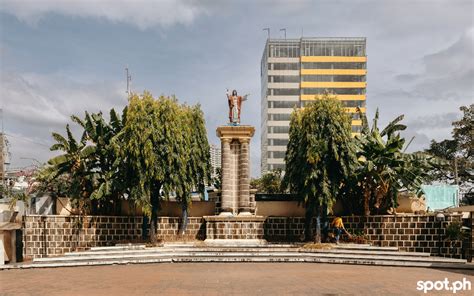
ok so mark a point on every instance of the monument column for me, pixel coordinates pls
(244, 177)
(226, 194)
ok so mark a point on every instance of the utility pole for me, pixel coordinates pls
(129, 82)
(2, 154)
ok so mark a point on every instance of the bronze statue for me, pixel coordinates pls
(235, 105)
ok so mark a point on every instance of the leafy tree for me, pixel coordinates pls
(196, 160)
(89, 169)
(319, 157)
(383, 168)
(73, 163)
(270, 182)
(164, 147)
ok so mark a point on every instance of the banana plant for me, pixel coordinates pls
(383, 167)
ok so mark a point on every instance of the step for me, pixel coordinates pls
(364, 247)
(197, 254)
(248, 250)
(307, 259)
(119, 247)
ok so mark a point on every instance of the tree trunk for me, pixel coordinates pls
(317, 237)
(144, 227)
(324, 221)
(184, 215)
(155, 201)
(366, 192)
(308, 221)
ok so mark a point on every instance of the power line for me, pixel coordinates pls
(28, 140)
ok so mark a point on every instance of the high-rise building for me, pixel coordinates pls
(297, 71)
(215, 159)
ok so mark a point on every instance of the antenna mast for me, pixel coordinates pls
(129, 82)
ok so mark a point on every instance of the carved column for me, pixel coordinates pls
(226, 194)
(244, 177)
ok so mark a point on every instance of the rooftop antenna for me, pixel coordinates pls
(129, 80)
(284, 30)
(268, 32)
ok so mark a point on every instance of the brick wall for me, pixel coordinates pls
(45, 236)
(54, 235)
(414, 233)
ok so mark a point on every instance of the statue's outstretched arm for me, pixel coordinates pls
(244, 98)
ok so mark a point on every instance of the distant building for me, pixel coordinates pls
(215, 159)
(297, 71)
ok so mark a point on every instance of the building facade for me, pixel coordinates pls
(295, 72)
(215, 159)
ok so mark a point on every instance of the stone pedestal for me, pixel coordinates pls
(235, 142)
(234, 228)
(236, 222)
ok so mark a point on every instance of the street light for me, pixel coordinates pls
(440, 218)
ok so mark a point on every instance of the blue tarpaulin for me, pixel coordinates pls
(440, 197)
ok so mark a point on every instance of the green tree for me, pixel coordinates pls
(319, 157)
(454, 158)
(165, 150)
(269, 182)
(196, 160)
(88, 169)
(383, 168)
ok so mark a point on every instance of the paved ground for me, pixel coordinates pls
(225, 279)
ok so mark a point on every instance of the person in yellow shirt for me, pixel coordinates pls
(338, 226)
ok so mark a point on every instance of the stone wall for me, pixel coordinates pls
(244, 227)
(54, 235)
(413, 233)
(45, 236)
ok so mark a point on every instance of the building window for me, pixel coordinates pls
(285, 91)
(286, 78)
(279, 117)
(279, 129)
(333, 78)
(353, 104)
(330, 65)
(334, 91)
(282, 104)
(277, 142)
(284, 66)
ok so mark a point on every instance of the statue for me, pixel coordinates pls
(235, 105)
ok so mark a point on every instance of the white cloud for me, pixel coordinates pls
(141, 13)
(35, 105)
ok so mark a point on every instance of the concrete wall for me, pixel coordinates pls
(279, 209)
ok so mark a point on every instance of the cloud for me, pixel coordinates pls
(140, 13)
(35, 105)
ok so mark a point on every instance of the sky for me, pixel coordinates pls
(59, 58)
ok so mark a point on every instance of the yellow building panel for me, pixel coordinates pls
(310, 84)
(355, 134)
(333, 72)
(335, 59)
(356, 122)
(339, 97)
(354, 109)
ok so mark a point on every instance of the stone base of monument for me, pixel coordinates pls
(245, 228)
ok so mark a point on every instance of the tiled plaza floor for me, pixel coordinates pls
(226, 279)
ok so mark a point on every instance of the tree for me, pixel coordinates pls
(164, 148)
(196, 159)
(383, 168)
(319, 157)
(89, 169)
(270, 182)
(455, 157)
